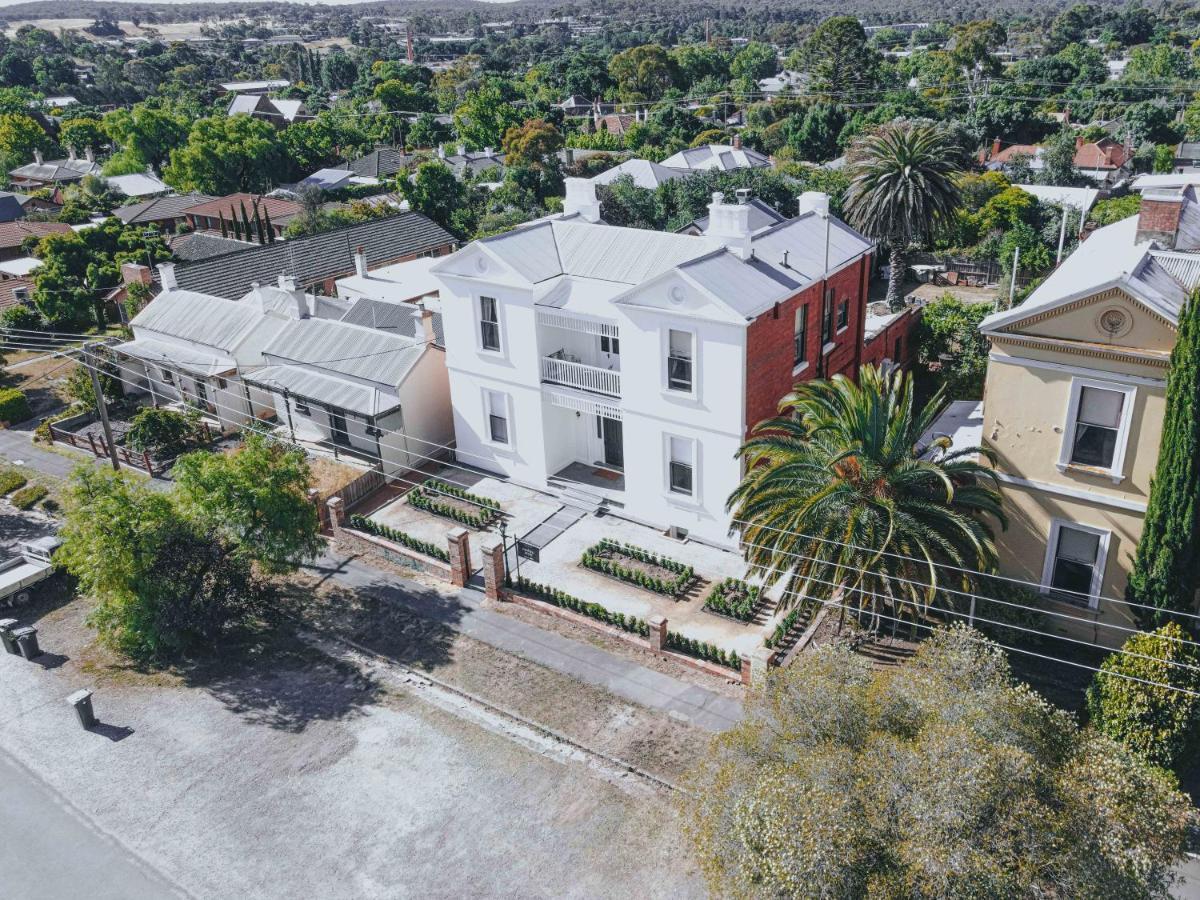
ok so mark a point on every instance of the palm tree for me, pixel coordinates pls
(842, 495)
(902, 188)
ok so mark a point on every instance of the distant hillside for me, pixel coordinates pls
(872, 11)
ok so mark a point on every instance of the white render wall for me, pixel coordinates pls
(545, 438)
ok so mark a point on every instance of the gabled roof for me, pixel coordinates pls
(723, 157)
(139, 184)
(381, 162)
(315, 257)
(54, 170)
(10, 207)
(352, 350)
(278, 208)
(199, 318)
(329, 179)
(13, 233)
(159, 208)
(203, 245)
(645, 174)
(195, 360)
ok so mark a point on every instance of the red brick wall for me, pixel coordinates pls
(1158, 219)
(883, 345)
(769, 353)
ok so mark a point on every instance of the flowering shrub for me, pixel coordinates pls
(404, 539)
(605, 557)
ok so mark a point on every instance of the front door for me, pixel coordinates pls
(614, 447)
(337, 429)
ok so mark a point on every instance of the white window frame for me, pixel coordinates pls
(678, 497)
(843, 304)
(1129, 393)
(499, 351)
(800, 315)
(486, 395)
(666, 357)
(1056, 526)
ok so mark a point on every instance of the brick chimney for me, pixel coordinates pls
(1158, 217)
(136, 273)
(737, 142)
(995, 148)
(360, 262)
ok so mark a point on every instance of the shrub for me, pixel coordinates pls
(404, 539)
(779, 635)
(563, 600)
(734, 598)
(14, 407)
(10, 480)
(600, 557)
(1158, 720)
(42, 432)
(51, 506)
(429, 497)
(22, 317)
(703, 650)
(162, 432)
(29, 495)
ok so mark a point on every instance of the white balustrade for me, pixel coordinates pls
(578, 375)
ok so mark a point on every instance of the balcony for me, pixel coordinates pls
(556, 369)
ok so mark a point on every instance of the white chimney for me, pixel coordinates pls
(89, 154)
(581, 199)
(462, 149)
(441, 152)
(814, 201)
(166, 274)
(729, 223)
(487, 151)
(71, 152)
(37, 156)
(360, 262)
(288, 283)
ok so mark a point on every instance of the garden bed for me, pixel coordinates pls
(452, 502)
(403, 538)
(639, 567)
(734, 599)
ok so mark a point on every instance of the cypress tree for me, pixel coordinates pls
(246, 226)
(224, 227)
(1166, 569)
(258, 225)
(237, 226)
(270, 229)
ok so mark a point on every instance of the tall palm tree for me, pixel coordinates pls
(841, 495)
(902, 188)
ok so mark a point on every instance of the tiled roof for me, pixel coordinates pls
(9, 288)
(203, 245)
(380, 163)
(313, 258)
(13, 233)
(278, 208)
(159, 208)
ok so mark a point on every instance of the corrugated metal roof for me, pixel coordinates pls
(1183, 267)
(305, 384)
(645, 174)
(393, 318)
(199, 318)
(532, 251)
(724, 157)
(189, 359)
(347, 349)
(627, 255)
(746, 287)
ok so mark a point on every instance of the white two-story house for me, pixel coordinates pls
(631, 364)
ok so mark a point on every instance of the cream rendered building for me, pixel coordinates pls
(1073, 409)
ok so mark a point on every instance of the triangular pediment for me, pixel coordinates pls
(676, 293)
(1115, 317)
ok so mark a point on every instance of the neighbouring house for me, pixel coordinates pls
(317, 261)
(382, 162)
(208, 214)
(786, 82)
(1074, 407)
(10, 207)
(888, 336)
(14, 234)
(626, 366)
(255, 87)
(336, 179)
(472, 163)
(762, 216)
(382, 397)
(15, 292)
(576, 106)
(723, 157)
(614, 123)
(395, 298)
(53, 172)
(21, 267)
(645, 174)
(1187, 157)
(280, 113)
(138, 185)
(164, 213)
(1082, 199)
(195, 245)
(1104, 161)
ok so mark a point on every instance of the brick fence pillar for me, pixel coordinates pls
(337, 513)
(658, 632)
(493, 567)
(459, 542)
(761, 660)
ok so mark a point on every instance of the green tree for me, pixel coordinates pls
(940, 777)
(256, 498)
(397, 95)
(841, 494)
(162, 432)
(485, 114)
(1147, 696)
(902, 189)
(20, 136)
(1059, 160)
(950, 349)
(434, 192)
(838, 57)
(531, 144)
(697, 62)
(754, 61)
(146, 134)
(83, 134)
(226, 154)
(1166, 567)
(1105, 212)
(641, 73)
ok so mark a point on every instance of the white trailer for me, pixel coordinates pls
(31, 565)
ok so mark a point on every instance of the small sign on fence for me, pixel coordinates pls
(531, 552)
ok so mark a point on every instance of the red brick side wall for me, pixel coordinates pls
(769, 354)
(883, 345)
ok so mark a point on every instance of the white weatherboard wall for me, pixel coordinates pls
(546, 438)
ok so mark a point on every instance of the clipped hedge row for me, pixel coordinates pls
(10, 480)
(703, 650)
(563, 600)
(734, 598)
(427, 496)
(594, 558)
(14, 407)
(403, 538)
(27, 496)
(780, 634)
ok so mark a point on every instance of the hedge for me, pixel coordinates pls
(563, 600)
(722, 600)
(403, 538)
(703, 650)
(780, 633)
(592, 559)
(27, 496)
(10, 480)
(426, 496)
(13, 406)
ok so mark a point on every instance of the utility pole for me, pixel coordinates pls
(101, 407)
(1012, 286)
(1062, 234)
